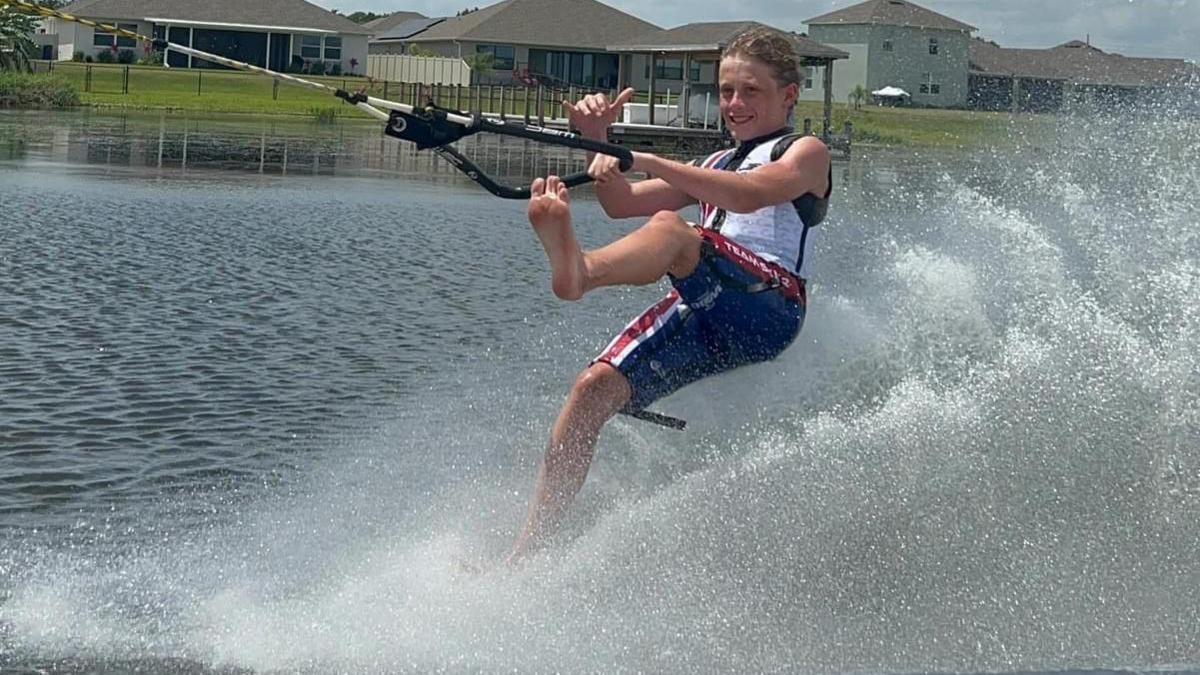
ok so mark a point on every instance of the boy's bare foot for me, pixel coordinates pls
(550, 215)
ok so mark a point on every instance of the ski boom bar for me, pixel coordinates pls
(430, 127)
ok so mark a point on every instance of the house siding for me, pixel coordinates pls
(847, 74)
(908, 65)
(73, 37)
(521, 57)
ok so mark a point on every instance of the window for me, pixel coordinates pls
(326, 48)
(310, 46)
(504, 57)
(105, 39)
(694, 72)
(933, 46)
(587, 70)
(582, 68)
(809, 73)
(924, 89)
(887, 45)
(127, 42)
(333, 48)
(935, 88)
(180, 36)
(666, 69)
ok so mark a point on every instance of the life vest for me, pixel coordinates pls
(779, 232)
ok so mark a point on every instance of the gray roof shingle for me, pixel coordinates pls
(407, 29)
(385, 23)
(576, 24)
(891, 13)
(715, 36)
(295, 14)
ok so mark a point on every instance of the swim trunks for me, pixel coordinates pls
(736, 308)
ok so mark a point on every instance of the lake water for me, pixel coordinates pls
(264, 384)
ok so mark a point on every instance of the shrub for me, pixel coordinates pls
(77, 57)
(324, 115)
(335, 69)
(105, 56)
(89, 59)
(126, 56)
(316, 67)
(36, 91)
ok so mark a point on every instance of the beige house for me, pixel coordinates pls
(276, 34)
(554, 42)
(897, 43)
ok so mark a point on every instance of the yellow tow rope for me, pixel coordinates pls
(34, 8)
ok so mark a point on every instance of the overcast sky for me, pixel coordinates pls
(1166, 28)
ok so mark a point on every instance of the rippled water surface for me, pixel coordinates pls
(264, 385)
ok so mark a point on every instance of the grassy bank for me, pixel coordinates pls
(197, 90)
(221, 91)
(29, 90)
(915, 126)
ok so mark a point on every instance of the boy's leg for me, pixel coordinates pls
(664, 244)
(599, 392)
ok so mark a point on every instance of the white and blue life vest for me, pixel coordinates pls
(781, 233)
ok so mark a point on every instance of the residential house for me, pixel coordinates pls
(1075, 75)
(898, 43)
(395, 40)
(684, 59)
(276, 34)
(689, 54)
(556, 42)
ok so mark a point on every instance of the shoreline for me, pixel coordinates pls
(222, 94)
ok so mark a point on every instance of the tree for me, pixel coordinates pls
(363, 17)
(857, 96)
(16, 47)
(480, 63)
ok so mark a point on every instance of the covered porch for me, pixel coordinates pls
(684, 60)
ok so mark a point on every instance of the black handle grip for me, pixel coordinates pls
(623, 154)
(504, 191)
(555, 137)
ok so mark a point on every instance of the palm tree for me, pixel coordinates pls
(16, 47)
(857, 96)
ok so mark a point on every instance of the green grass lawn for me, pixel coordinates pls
(200, 90)
(223, 91)
(917, 126)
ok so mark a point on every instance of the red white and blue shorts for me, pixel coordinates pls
(734, 309)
